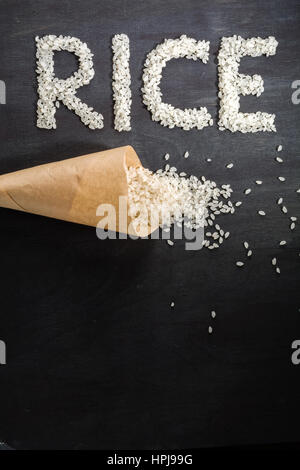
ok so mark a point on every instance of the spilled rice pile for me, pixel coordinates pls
(167, 197)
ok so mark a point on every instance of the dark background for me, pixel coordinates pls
(96, 358)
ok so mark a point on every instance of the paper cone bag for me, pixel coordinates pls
(73, 189)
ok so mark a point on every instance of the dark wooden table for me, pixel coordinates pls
(96, 358)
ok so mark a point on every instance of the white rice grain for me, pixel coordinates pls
(52, 89)
(157, 59)
(121, 81)
(232, 84)
(168, 198)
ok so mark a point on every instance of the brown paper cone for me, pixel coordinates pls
(73, 189)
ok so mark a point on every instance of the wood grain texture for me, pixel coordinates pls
(90, 365)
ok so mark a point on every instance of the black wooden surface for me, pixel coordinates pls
(96, 358)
